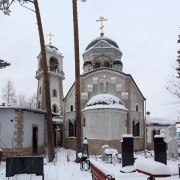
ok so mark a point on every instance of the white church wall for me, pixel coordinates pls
(33, 119)
(136, 99)
(7, 121)
(107, 124)
(151, 128)
(70, 101)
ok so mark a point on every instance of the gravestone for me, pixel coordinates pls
(173, 142)
(160, 149)
(127, 150)
(103, 155)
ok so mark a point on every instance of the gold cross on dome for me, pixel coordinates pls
(50, 37)
(101, 19)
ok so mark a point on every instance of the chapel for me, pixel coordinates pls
(111, 102)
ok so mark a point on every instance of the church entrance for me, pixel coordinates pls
(58, 135)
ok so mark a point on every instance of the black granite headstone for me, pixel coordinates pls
(160, 150)
(23, 165)
(127, 151)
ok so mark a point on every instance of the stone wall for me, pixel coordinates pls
(96, 144)
(7, 152)
(70, 143)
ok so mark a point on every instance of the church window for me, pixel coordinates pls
(70, 128)
(40, 90)
(53, 64)
(75, 128)
(54, 108)
(106, 64)
(97, 65)
(137, 108)
(39, 105)
(84, 122)
(54, 93)
(71, 108)
(136, 128)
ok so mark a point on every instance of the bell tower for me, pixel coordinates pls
(56, 76)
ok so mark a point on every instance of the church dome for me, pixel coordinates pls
(108, 40)
(102, 101)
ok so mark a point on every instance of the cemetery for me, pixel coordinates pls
(111, 164)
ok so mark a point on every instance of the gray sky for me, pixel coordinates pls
(146, 32)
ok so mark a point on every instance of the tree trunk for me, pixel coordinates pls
(50, 144)
(77, 81)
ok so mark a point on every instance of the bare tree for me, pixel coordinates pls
(21, 100)
(174, 88)
(4, 6)
(32, 101)
(9, 95)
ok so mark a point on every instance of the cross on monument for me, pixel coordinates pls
(101, 19)
(50, 37)
(104, 81)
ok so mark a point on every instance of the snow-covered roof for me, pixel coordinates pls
(52, 49)
(23, 108)
(102, 101)
(158, 121)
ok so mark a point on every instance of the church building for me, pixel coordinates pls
(111, 102)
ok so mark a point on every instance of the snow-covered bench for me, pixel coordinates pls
(99, 172)
(153, 169)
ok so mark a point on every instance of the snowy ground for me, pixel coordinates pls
(63, 170)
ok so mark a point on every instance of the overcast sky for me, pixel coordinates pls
(146, 32)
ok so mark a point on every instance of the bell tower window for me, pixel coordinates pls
(71, 108)
(54, 108)
(54, 93)
(53, 64)
(40, 90)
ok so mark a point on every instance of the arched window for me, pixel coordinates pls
(71, 108)
(39, 105)
(97, 65)
(137, 108)
(136, 128)
(75, 128)
(70, 128)
(54, 108)
(54, 93)
(40, 90)
(53, 64)
(84, 122)
(106, 64)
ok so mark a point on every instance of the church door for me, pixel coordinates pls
(34, 139)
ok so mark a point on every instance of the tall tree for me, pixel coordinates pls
(4, 6)
(32, 101)
(9, 94)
